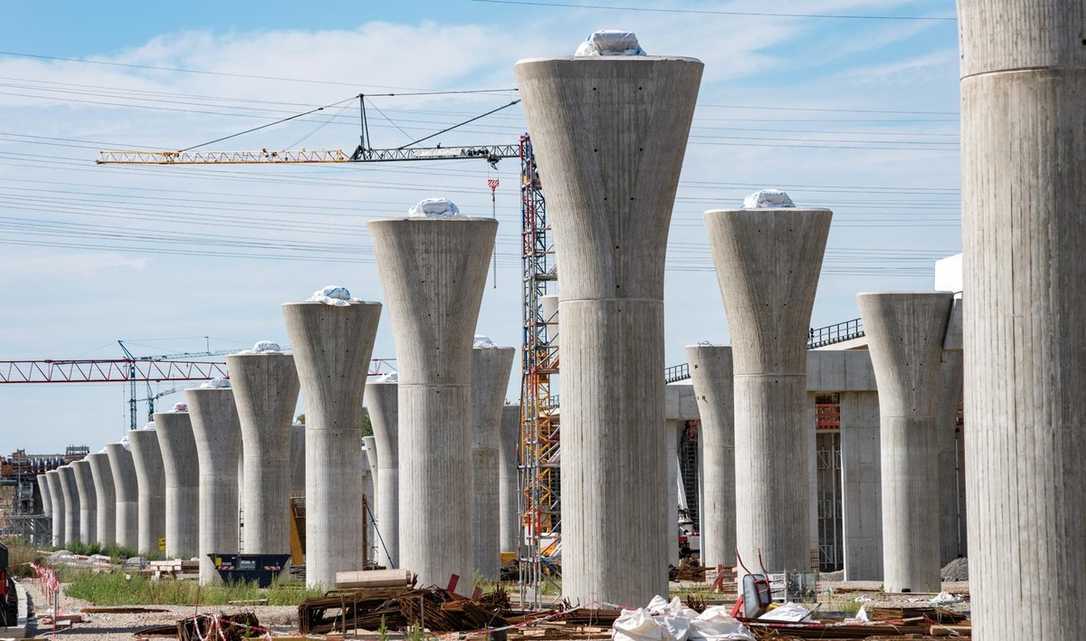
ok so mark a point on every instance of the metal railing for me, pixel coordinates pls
(676, 373)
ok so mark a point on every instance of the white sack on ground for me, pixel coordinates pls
(662, 620)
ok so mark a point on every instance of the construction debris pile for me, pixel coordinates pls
(432, 608)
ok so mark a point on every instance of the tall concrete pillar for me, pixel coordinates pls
(711, 374)
(72, 507)
(433, 271)
(88, 502)
(672, 433)
(369, 490)
(266, 393)
(610, 134)
(297, 460)
(1023, 187)
(151, 495)
(381, 399)
(126, 494)
(43, 490)
(332, 347)
(861, 486)
(509, 513)
(106, 499)
(948, 403)
(56, 504)
(369, 446)
(905, 335)
(767, 263)
(217, 433)
(814, 552)
(490, 367)
(181, 465)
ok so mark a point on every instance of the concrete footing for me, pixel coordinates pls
(151, 494)
(905, 335)
(711, 374)
(106, 509)
(126, 493)
(433, 271)
(509, 512)
(767, 263)
(56, 504)
(490, 368)
(88, 502)
(217, 433)
(72, 508)
(381, 399)
(332, 348)
(609, 135)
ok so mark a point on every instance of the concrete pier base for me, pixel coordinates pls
(711, 374)
(217, 433)
(151, 484)
(905, 335)
(861, 486)
(181, 465)
(381, 399)
(509, 513)
(609, 134)
(106, 499)
(767, 263)
(490, 367)
(72, 508)
(126, 493)
(56, 502)
(433, 271)
(265, 389)
(332, 348)
(88, 502)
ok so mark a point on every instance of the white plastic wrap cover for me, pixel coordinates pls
(434, 208)
(216, 383)
(483, 342)
(610, 42)
(337, 295)
(768, 199)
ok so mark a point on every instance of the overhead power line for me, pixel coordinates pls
(720, 12)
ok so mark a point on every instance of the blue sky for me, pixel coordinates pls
(855, 115)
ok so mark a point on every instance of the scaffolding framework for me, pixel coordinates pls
(539, 433)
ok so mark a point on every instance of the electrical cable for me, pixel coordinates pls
(718, 12)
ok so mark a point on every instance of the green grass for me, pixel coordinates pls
(116, 553)
(117, 588)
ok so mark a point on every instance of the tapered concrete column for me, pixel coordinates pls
(381, 399)
(711, 374)
(297, 460)
(948, 403)
(332, 347)
(266, 393)
(56, 504)
(490, 367)
(767, 264)
(861, 486)
(369, 490)
(369, 446)
(217, 432)
(610, 134)
(72, 507)
(105, 499)
(126, 494)
(181, 465)
(88, 502)
(509, 514)
(43, 490)
(1023, 187)
(905, 337)
(433, 271)
(672, 434)
(151, 483)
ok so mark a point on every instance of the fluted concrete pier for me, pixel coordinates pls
(266, 393)
(332, 348)
(433, 271)
(381, 399)
(369, 490)
(56, 504)
(610, 134)
(948, 402)
(490, 368)
(106, 499)
(217, 433)
(861, 486)
(72, 507)
(1023, 127)
(126, 494)
(88, 502)
(151, 493)
(297, 460)
(767, 263)
(181, 465)
(905, 334)
(711, 374)
(43, 490)
(509, 513)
